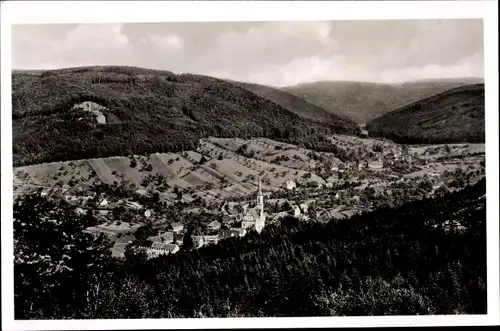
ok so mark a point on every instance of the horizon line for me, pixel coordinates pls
(443, 79)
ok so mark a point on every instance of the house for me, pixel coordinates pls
(209, 240)
(44, 193)
(104, 212)
(158, 248)
(148, 213)
(177, 227)
(376, 164)
(197, 241)
(334, 168)
(225, 234)
(80, 211)
(214, 225)
(228, 218)
(133, 205)
(295, 210)
(329, 185)
(240, 232)
(290, 184)
(104, 202)
(304, 207)
(141, 191)
(166, 238)
(71, 198)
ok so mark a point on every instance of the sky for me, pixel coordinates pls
(271, 53)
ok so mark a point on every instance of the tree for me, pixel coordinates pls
(378, 147)
(188, 243)
(52, 253)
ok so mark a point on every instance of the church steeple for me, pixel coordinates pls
(260, 222)
(260, 196)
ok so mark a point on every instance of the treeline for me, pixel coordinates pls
(144, 114)
(398, 261)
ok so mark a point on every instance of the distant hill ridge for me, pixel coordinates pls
(453, 116)
(364, 101)
(147, 111)
(292, 102)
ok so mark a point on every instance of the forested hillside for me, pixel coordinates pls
(291, 102)
(455, 116)
(145, 111)
(425, 257)
(364, 101)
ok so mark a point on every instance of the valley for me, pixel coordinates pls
(197, 187)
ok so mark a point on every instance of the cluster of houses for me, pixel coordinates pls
(251, 218)
(167, 243)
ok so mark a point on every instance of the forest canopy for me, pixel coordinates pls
(146, 112)
(392, 261)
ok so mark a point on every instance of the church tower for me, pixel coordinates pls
(259, 224)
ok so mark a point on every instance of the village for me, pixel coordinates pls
(280, 180)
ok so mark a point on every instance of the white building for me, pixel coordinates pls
(376, 164)
(214, 225)
(158, 248)
(197, 241)
(148, 213)
(233, 232)
(290, 184)
(80, 211)
(133, 205)
(209, 240)
(177, 227)
(165, 238)
(104, 212)
(304, 207)
(296, 210)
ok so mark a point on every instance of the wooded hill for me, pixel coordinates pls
(291, 102)
(364, 101)
(455, 116)
(147, 111)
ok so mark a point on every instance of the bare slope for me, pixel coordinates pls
(364, 101)
(454, 116)
(146, 111)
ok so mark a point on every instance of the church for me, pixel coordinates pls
(255, 217)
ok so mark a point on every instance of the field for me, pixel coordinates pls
(224, 169)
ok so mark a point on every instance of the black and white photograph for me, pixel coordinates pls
(281, 168)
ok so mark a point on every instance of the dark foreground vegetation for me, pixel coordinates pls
(455, 116)
(148, 111)
(388, 262)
